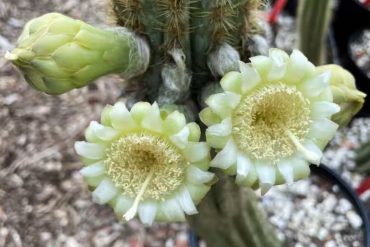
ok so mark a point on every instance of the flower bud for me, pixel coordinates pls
(345, 93)
(57, 53)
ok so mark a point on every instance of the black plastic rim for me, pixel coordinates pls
(348, 192)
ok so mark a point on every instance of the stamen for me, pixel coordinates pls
(130, 214)
(309, 155)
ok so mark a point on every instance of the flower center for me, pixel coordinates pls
(143, 158)
(263, 119)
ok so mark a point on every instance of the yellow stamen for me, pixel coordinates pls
(130, 214)
(309, 155)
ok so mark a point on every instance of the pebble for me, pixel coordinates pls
(354, 219)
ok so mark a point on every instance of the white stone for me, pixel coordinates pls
(354, 219)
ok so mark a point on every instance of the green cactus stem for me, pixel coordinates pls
(313, 22)
(230, 216)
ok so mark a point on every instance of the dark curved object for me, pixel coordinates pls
(350, 18)
(325, 172)
(350, 194)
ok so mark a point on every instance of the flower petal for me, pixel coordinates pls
(105, 192)
(197, 176)
(314, 86)
(314, 155)
(278, 68)
(251, 77)
(221, 129)
(197, 191)
(262, 64)
(147, 212)
(102, 132)
(286, 169)
(217, 135)
(181, 138)
(139, 110)
(121, 117)
(243, 164)
(208, 117)
(301, 169)
(298, 67)
(223, 103)
(93, 170)
(184, 199)
(226, 157)
(232, 82)
(196, 151)
(174, 122)
(123, 204)
(323, 109)
(105, 115)
(170, 210)
(266, 176)
(194, 135)
(152, 120)
(90, 150)
(322, 131)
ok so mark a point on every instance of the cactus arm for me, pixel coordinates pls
(313, 22)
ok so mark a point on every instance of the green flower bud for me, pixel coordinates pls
(57, 53)
(345, 93)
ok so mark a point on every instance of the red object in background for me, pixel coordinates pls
(366, 3)
(275, 12)
(364, 186)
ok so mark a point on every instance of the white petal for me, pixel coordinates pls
(286, 169)
(105, 192)
(278, 68)
(123, 204)
(266, 176)
(195, 151)
(174, 122)
(90, 150)
(195, 132)
(139, 110)
(172, 210)
(314, 86)
(198, 176)
(232, 82)
(93, 170)
(243, 165)
(301, 169)
(251, 77)
(298, 67)
(181, 138)
(184, 199)
(226, 157)
(322, 130)
(152, 120)
(223, 103)
(323, 109)
(262, 64)
(197, 191)
(147, 212)
(121, 117)
(102, 132)
(221, 129)
(314, 155)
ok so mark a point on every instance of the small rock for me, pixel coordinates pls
(354, 219)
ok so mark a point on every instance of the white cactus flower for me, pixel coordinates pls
(272, 119)
(146, 163)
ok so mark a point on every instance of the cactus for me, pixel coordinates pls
(191, 44)
(313, 23)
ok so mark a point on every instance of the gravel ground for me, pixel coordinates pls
(43, 200)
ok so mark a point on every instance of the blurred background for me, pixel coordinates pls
(44, 202)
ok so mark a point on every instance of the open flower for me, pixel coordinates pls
(145, 162)
(272, 119)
